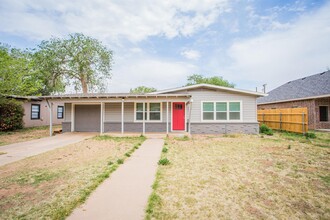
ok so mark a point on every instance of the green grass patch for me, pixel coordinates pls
(120, 161)
(326, 179)
(163, 161)
(184, 138)
(165, 150)
(34, 178)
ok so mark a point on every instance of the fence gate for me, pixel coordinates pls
(287, 119)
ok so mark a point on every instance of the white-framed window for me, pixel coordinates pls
(60, 110)
(152, 111)
(221, 111)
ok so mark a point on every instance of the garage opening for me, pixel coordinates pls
(87, 118)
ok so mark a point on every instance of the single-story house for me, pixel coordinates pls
(312, 92)
(36, 111)
(197, 109)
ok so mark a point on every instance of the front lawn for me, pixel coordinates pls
(25, 134)
(51, 185)
(243, 177)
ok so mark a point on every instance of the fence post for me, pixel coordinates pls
(303, 123)
(280, 121)
(263, 118)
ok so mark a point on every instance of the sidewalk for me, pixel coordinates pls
(125, 194)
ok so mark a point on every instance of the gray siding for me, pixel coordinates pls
(67, 112)
(199, 95)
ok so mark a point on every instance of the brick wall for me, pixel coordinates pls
(313, 110)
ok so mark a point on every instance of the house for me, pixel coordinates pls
(36, 111)
(312, 92)
(197, 109)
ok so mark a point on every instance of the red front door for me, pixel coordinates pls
(178, 112)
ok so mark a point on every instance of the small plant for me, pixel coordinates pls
(184, 138)
(127, 155)
(120, 161)
(165, 143)
(110, 163)
(289, 146)
(164, 150)
(163, 161)
(310, 135)
(264, 129)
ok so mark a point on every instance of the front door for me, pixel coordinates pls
(178, 116)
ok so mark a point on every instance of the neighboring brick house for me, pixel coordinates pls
(312, 92)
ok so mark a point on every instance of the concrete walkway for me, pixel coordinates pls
(125, 194)
(18, 151)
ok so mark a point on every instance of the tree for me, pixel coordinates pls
(79, 60)
(142, 89)
(214, 80)
(17, 73)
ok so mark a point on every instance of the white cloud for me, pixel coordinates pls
(108, 20)
(191, 54)
(147, 71)
(276, 57)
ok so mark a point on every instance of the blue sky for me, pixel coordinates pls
(160, 43)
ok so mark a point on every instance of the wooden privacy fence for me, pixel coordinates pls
(287, 119)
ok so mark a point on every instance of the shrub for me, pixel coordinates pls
(11, 114)
(163, 161)
(264, 129)
(310, 135)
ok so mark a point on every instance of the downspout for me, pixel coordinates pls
(49, 105)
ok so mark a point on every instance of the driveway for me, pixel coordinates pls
(18, 151)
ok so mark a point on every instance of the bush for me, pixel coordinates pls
(11, 114)
(310, 135)
(264, 129)
(163, 161)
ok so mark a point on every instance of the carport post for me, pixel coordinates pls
(102, 116)
(50, 107)
(122, 116)
(143, 119)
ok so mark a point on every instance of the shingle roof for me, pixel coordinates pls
(307, 87)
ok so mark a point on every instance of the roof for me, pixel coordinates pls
(314, 86)
(28, 98)
(111, 95)
(208, 86)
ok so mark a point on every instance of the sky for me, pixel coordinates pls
(159, 43)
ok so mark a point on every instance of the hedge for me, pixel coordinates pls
(11, 114)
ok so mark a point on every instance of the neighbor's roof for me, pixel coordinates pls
(111, 95)
(315, 86)
(208, 86)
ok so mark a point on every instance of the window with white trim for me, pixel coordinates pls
(60, 110)
(35, 111)
(221, 111)
(152, 111)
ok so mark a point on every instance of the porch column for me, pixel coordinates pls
(102, 118)
(190, 107)
(72, 117)
(122, 116)
(143, 119)
(166, 117)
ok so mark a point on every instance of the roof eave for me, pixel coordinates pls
(298, 99)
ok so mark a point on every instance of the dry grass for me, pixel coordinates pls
(25, 134)
(51, 185)
(242, 177)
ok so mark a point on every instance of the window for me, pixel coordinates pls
(152, 111)
(35, 111)
(324, 116)
(221, 111)
(60, 112)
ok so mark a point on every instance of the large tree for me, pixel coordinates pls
(79, 60)
(142, 89)
(18, 75)
(214, 80)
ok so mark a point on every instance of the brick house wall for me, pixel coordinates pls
(313, 110)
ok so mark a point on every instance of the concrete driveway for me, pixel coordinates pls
(18, 151)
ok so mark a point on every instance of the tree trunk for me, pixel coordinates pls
(84, 85)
